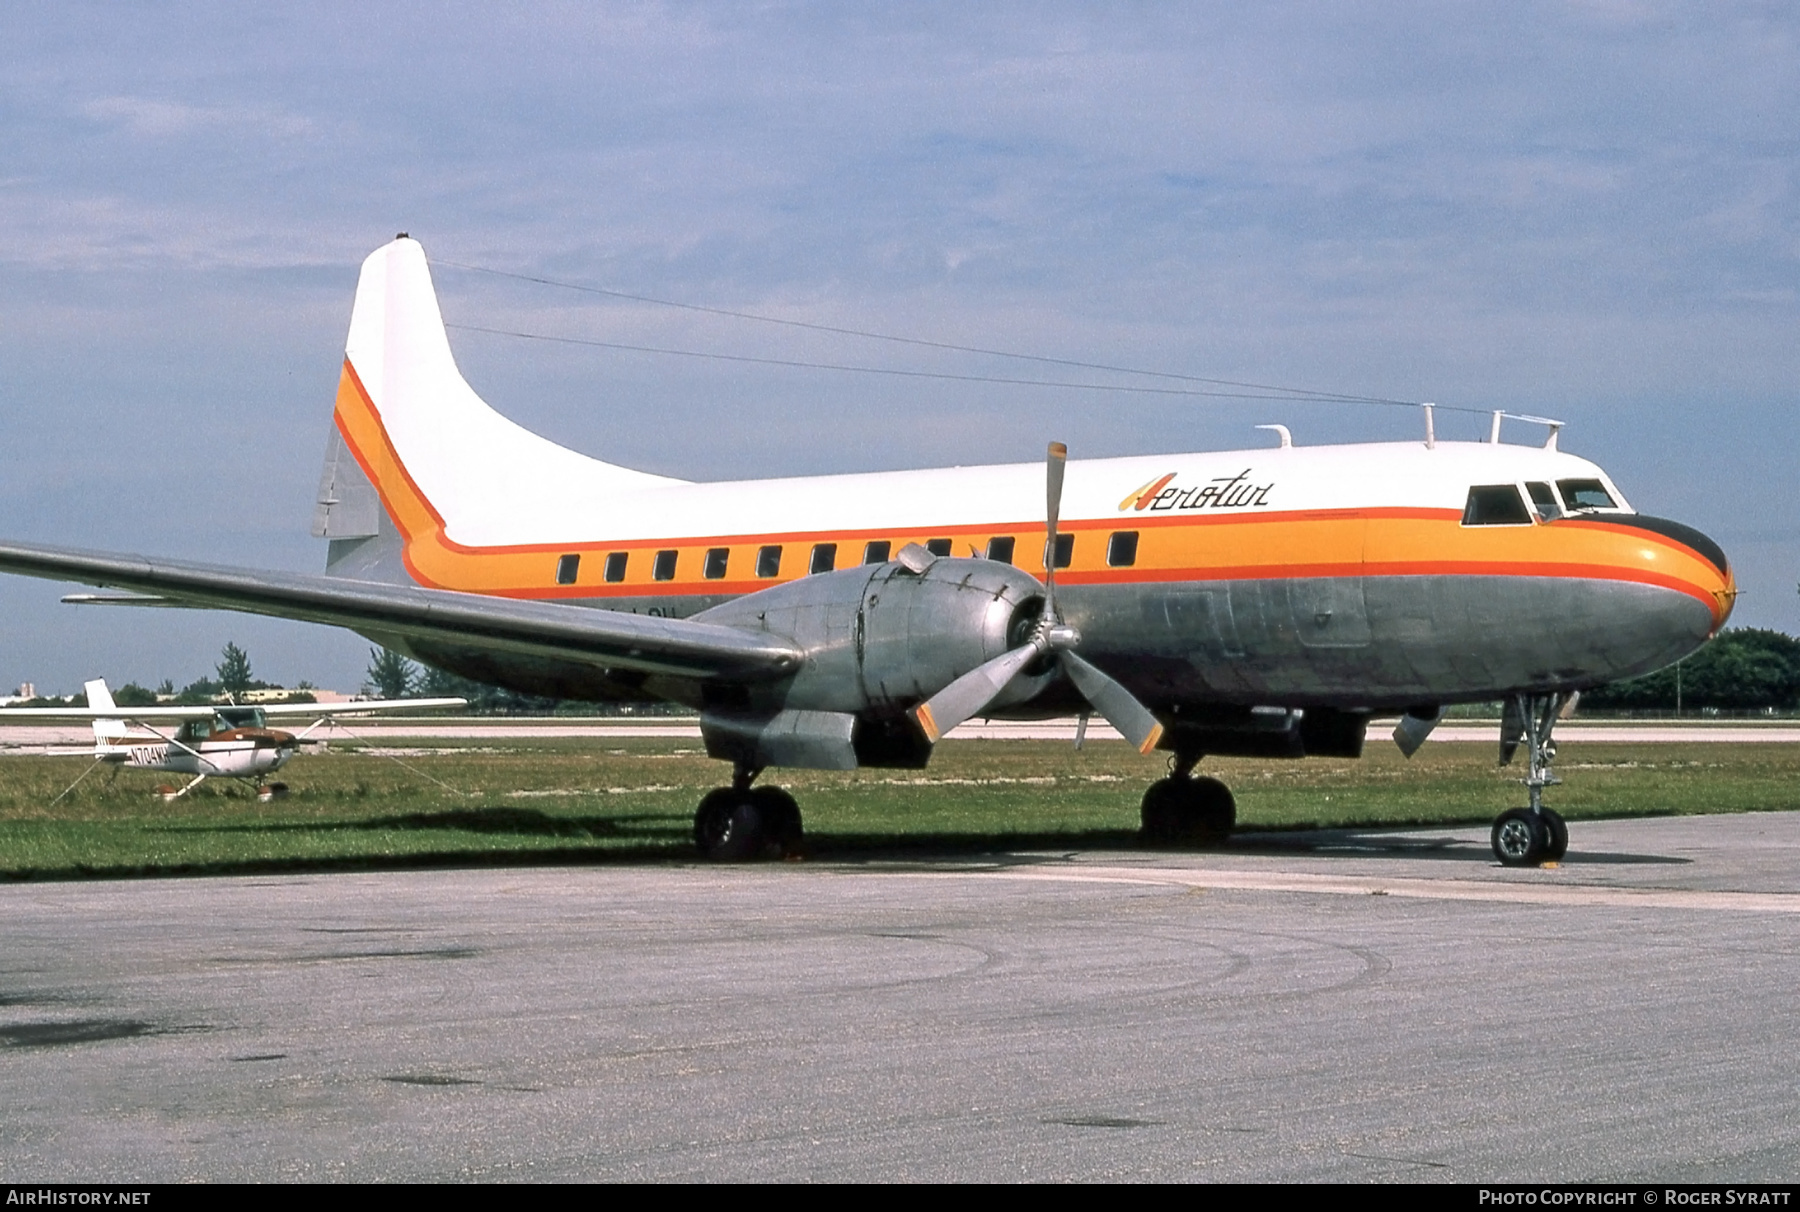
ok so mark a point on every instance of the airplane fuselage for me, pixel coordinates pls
(226, 756)
(1355, 576)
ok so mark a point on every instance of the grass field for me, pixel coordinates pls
(582, 801)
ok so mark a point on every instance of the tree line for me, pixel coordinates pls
(1745, 669)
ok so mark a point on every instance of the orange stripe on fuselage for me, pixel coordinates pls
(1172, 546)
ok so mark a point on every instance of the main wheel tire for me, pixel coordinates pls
(1520, 839)
(1215, 811)
(729, 826)
(1557, 843)
(1187, 812)
(782, 827)
(1161, 813)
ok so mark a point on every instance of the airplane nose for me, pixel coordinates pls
(1671, 590)
(1709, 570)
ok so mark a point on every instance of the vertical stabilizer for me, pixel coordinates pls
(106, 732)
(99, 697)
(414, 451)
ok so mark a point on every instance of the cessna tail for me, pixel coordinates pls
(1263, 602)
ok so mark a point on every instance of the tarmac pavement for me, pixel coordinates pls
(1372, 1005)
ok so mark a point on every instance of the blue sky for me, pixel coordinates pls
(1587, 210)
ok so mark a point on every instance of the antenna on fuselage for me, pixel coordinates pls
(1430, 429)
(1287, 439)
(1501, 414)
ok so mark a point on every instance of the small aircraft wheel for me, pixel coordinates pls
(728, 826)
(781, 819)
(1558, 841)
(167, 792)
(1187, 812)
(1520, 839)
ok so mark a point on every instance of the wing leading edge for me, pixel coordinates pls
(605, 639)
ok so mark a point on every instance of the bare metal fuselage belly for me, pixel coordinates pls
(1354, 642)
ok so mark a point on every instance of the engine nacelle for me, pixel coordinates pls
(882, 637)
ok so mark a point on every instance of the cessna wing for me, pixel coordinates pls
(603, 638)
(172, 714)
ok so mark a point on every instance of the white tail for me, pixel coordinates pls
(106, 732)
(99, 697)
(475, 469)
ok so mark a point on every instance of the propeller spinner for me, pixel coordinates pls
(974, 690)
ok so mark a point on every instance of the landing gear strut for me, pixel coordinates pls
(738, 823)
(1182, 810)
(1528, 837)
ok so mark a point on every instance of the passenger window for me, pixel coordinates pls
(824, 557)
(1586, 494)
(938, 547)
(1000, 549)
(1065, 550)
(1495, 505)
(663, 568)
(615, 565)
(716, 559)
(566, 568)
(1121, 549)
(768, 561)
(877, 552)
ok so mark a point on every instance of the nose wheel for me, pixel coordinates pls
(1532, 836)
(1523, 838)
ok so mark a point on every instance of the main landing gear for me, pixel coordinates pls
(1183, 810)
(737, 823)
(1529, 837)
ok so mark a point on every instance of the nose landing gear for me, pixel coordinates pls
(1530, 837)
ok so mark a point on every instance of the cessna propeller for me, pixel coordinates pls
(973, 691)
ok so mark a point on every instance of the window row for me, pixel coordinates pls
(715, 563)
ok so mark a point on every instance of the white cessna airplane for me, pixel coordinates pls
(1260, 602)
(224, 741)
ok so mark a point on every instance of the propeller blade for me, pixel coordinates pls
(1055, 461)
(1117, 704)
(970, 693)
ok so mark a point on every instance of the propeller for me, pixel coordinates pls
(974, 690)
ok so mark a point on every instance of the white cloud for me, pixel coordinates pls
(153, 119)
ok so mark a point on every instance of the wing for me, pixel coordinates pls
(606, 639)
(275, 711)
(161, 715)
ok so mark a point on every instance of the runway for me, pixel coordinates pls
(1329, 1006)
(25, 736)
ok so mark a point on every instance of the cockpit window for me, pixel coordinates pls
(1586, 494)
(1495, 505)
(1543, 497)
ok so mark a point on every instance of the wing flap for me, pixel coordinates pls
(603, 638)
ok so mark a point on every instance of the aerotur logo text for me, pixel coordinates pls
(1233, 492)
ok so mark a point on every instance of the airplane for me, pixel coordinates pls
(1261, 602)
(228, 741)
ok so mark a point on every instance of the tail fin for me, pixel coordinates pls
(100, 698)
(416, 455)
